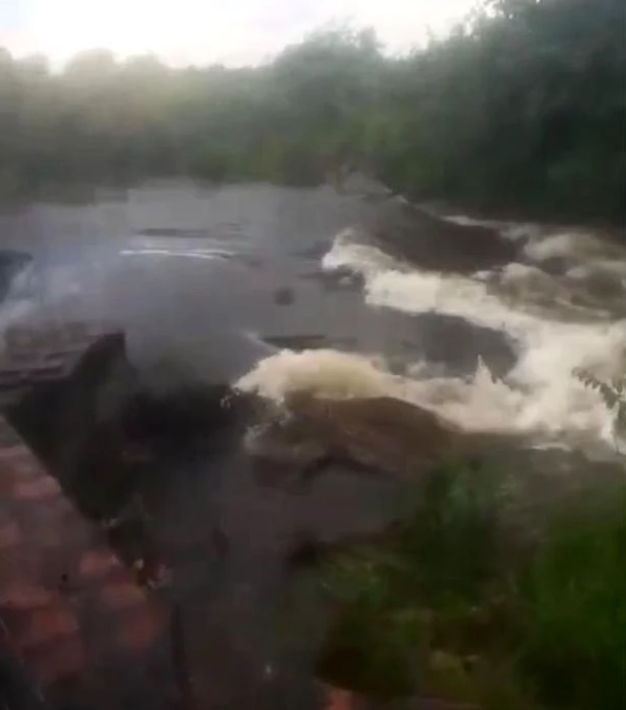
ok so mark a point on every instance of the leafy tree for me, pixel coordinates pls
(522, 107)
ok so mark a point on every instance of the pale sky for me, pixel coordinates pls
(234, 32)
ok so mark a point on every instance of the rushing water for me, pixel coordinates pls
(295, 289)
(200, 277)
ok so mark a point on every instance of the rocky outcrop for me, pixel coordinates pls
(383, 435)
(412, 234)
(458, 344)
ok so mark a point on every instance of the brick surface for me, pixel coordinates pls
(9, 535)
(17, 595)
(139, 628)
(97, 564)
(39, 488)
(73, 613)
(58, 660)
(122, 595)
(47, 624)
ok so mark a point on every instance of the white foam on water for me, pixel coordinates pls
(549, 405)
(541, 396)
(323, 374)
(573, 245)
(347, 252)
(599, 268)
(464, 221)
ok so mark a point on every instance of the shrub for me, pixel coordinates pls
(460, 607)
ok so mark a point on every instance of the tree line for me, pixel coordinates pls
(521, 107)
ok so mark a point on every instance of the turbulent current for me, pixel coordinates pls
(558, 323)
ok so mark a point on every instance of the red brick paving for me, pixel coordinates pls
(97, 563)
(340, 700)
(47, 624)
(73, 614)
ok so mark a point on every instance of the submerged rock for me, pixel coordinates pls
(412, 234)
(383, 435)
(460, 345)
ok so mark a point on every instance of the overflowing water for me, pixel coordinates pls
(192, 273)
(540, 397)
(541, 394)
(288, 292)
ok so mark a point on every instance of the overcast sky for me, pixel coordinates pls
(202, 31)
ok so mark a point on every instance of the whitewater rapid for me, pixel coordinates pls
(555, 333)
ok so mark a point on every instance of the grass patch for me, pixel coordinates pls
(469, 606)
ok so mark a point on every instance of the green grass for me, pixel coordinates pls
(466, 607)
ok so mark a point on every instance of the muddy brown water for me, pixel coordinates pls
(204, 281)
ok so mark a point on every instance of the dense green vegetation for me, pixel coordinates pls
(521, 107)
(471, 607)
(495, 593)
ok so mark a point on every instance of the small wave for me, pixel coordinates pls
(583, 293)
(572, 245)
(190, 254)
(320, 374)
(348, 252)
(479, 298)
(172, 233)
(599, 267)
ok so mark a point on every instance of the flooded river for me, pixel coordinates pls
(208, 281)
